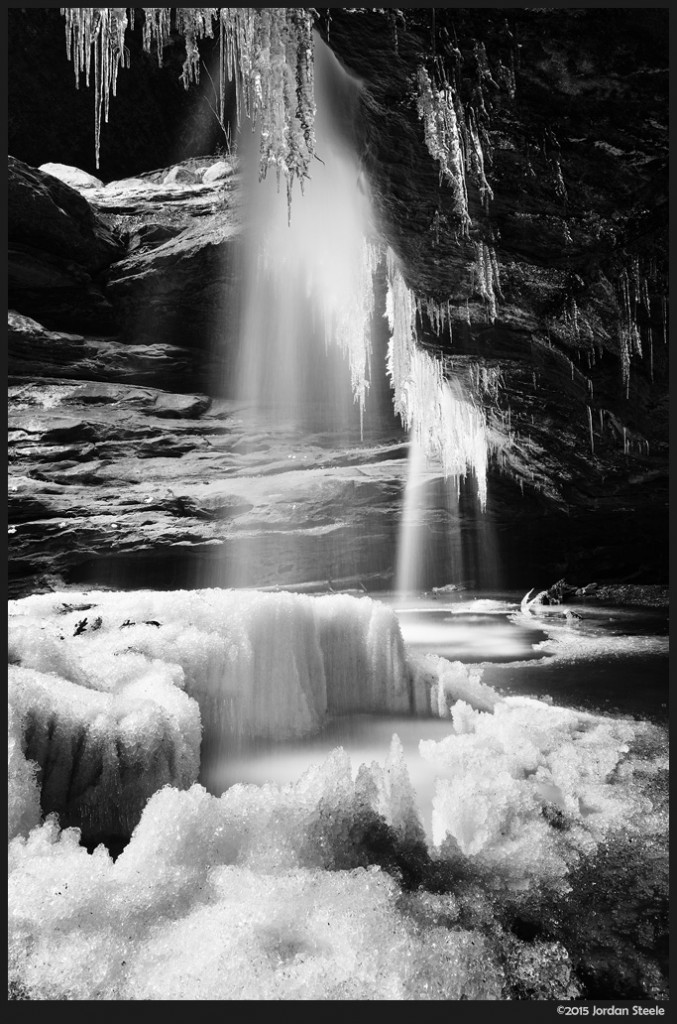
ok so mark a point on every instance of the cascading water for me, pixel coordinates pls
(307, 302)
(308, 292)
(448, 444)
(409, 569)
(445, 537)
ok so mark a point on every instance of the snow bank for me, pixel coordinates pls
(226, 898)
(531, 788)
(575, 639)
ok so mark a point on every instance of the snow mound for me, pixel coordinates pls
(527, 790)
(193, 909)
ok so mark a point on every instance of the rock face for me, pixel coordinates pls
(58, 251)
(559, 280)
(125, 463)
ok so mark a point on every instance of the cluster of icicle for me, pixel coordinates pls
(267, 52)
(351, 325)
(443, 139)
(487, 280)
(453, 139)
(634, 288)
(443, 420)
(98, 33)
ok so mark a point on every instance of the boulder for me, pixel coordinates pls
(58, 247)
(180, 176)
(72, 176)
(182, 290)
(217, 172)
(49, 215)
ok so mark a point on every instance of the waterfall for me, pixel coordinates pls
(305, 352)
(308, 292)
(445, 536)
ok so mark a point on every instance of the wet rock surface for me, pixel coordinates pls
(616, 594)
(113, 483)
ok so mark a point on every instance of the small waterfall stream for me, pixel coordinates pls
(308, 291)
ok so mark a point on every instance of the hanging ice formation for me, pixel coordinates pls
(266, 51)
(443, 420)
(443, 139)
(634, 289)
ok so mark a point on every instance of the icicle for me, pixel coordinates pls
(487, 276)
(592, 435)
(267, 51)
(351, 324)
(444, 141)
(438, 314)
(194, 23)
(477, 160)
(101, 30)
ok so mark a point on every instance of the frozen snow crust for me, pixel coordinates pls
(326, 887)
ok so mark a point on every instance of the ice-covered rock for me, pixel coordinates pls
(451, 681)
(23, 793)
(103, 750)
(72, 176)
(217, 171)
(258, 664)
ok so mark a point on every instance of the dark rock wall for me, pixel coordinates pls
(570, 106)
